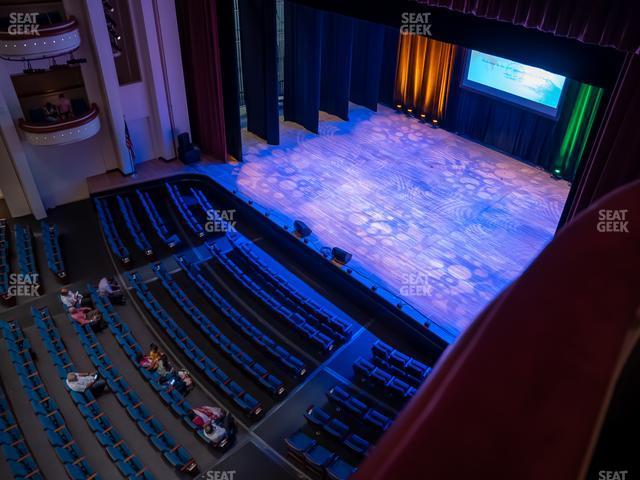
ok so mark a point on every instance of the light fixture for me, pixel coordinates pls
(434, 123)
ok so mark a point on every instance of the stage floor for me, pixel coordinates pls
(440, 221)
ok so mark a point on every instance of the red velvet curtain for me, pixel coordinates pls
(522, 394)
(198, 24)
(601, 22)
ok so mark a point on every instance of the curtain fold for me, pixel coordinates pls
(230, 83)
(424, 74)
(260, 67)
(198, 29)
(368, 44)
(600, 22)
(388, 69)
(335, 81)
(302, 64)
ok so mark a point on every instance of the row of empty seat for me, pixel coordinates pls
(133, 350)
(14, 448)
(26, 255)
(399, 364)
(241, 323)
(294, 320)
(148, 424)
(5, 265)
(51, 239)
(111, 232)
(338, 429)
(184, 210)
(235, 353)
(45, 407)
(372, 418)
(226, 385)
(127, 462)
(382, 382)
(331, 324)
(317, 458)
(170, 239)
(133, 225)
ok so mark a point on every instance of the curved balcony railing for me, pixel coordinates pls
(62, 132)
(45, 42)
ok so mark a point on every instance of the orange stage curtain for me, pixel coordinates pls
(423, 74)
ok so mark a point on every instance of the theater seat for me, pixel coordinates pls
(298, 444)
(338, 469)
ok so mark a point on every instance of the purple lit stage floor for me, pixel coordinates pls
(441, 221)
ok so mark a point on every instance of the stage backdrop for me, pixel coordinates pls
(428, 80)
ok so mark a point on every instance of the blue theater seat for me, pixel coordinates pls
(357, 444)
(338, 469)
(317, 458)
(317, 417)
(298, 444)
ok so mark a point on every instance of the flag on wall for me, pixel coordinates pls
(128, 140)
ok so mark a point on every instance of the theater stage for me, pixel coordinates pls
(441, 221)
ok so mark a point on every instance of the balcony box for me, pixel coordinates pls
(63, 132)
(48, 41)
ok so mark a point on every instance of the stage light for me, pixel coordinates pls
(434, 123)
(399, 107)
(409, 110)
(423, 116)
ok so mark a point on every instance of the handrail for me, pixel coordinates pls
(47, 31)
(62, 125)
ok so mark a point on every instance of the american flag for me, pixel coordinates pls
(127, 138)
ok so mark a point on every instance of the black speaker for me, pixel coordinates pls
(341, 256)
(301, 229)
(187, 151)
(184, 143)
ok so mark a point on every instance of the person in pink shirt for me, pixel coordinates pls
(64, 107)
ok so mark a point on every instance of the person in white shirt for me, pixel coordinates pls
(214, 433)
(108, 287)
(80, 382)
(71, 299)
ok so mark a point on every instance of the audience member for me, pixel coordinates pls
(50, 112)
(150, 360)
(79, 382)
(109, 287)
(88, 316)
(71, 298)
(64, 107)
(214, 432)
(164, 367)
(206, 415)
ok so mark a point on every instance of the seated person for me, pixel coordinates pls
(215, 433)
(79, 382)
(164, 367)
(87, 316)
(205, 415)
(181, 381)
(109, 287)
(64, 107)
(150, 360)
(50, 112)
(71, 298)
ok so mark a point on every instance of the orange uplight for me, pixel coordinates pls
(423, 73)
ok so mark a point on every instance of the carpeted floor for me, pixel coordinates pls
(441, 221)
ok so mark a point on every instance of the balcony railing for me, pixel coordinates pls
(48, 41)
(62, 132)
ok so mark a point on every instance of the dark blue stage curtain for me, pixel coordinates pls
(335, 78)
(260, 67)
(368, 46)
(230, 83)
(389, 63)
(302, 64)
